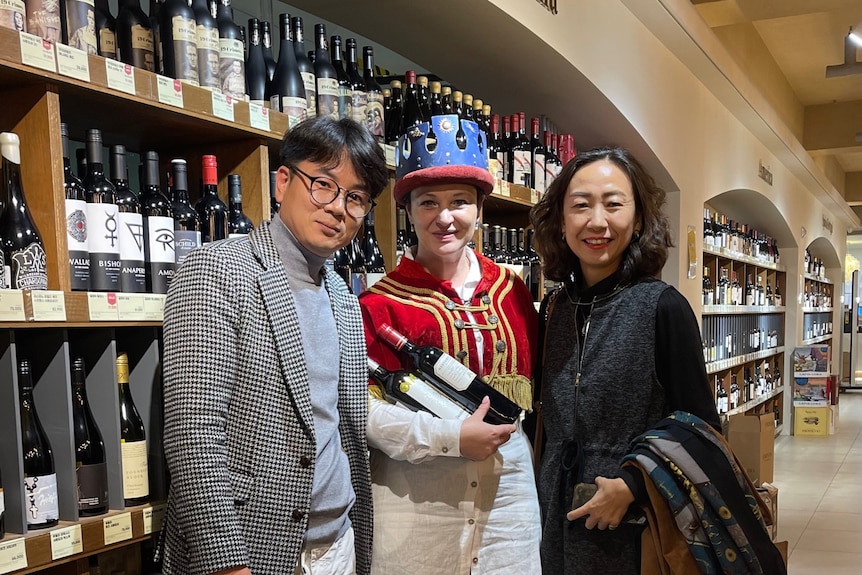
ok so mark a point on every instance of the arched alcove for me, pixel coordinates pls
(822, 249)
(757, 211)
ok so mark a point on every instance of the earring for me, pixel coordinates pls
(478, 224)
(636, 237)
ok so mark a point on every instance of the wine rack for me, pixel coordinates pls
(817, 309)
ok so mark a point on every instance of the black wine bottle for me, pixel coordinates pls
(238, 223)
(255, 65)
(497, 149)
(212, 211)
(424, 94)
(435, 100)
(458, 104)
(179, 43)
(325, 74)
(133, 441)
(231, 53)
(274, 205)
(375, 267)
(518, 156)
(106, 30)
(553, 165)
(81, 163)
(341, 263)
(23, 265)
(41, 500)
(76, 221)
(90, 468)
(79, 24)
(187, 228)
(358, 280)
(357, 84)
(135, 43)
(537, 156)
(158, 229)
(465, 387)
(306, 69)
(374, 107)
(345, 89)
(133, 276)
(446, 100)
(44, 18)
(413, 392)
(468, 107)
(397, 110)
(412, 115)
(206, 38)
(402, 237)
(103, 224)
(266, 40)
(288, 89)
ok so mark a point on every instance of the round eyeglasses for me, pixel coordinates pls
(324, 191)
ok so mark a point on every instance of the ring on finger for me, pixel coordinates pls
(612, 527)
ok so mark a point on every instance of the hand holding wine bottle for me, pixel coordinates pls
(480, 440)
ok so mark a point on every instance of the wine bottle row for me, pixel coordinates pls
(816, 324)
(720, 232)
(728, 290)
(814, 266)
(756, 385)
(360, 263)
(728, 336)
(513, 248)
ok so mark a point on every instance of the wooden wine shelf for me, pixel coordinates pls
(742, 309)
(723, 253)
(816, 309)
(723, 364)
(78, 305)
(749, 405)
(819, 279)
(815, 340)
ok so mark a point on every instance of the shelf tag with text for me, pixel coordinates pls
(12, 305)
(66, 541)
(120, 76)
(73, 62)
(170, 91)
(258, 116)
(131, 306)
(117, 528)
(13, 555)
(47, 305)
(37, 52)
(153, 517)
(154, 307)
(223, 107)
(103, 306)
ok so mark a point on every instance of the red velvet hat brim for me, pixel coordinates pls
(453, 174)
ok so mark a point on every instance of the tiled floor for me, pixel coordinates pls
(819, 484)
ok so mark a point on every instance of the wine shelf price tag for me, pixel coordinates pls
(131, 307)
(258, 116)
(37, 52)
(73, 62)
(12, 305)
(534, 196)
(66, 541)
(13, 555)
(154, 307)
(170, 91)
(47, 305)
(223, 107)
(117, 528)
(120, 76)
(389, 153)
(103, 306)
(153, 517)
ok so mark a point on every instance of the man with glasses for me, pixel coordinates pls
(265, 378)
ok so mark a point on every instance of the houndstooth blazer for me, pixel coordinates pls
(239, 433)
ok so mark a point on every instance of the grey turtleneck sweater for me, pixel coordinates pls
(332, 494)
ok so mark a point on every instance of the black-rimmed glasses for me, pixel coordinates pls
(325, 190)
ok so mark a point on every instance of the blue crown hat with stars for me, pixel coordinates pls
(444, 151)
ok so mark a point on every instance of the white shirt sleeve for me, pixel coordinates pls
(412, 436)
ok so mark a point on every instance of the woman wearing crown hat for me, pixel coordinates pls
(451, 496)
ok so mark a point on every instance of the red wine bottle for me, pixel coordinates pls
(393, 127)
(231, 53)
(76, 221)
(446, 100)
(90, 468)
(424, 94)
(212, 211)
(359, 96)
(553, 165)
(345, 88)
(468, 107)
(133, 441)
(325, 74)
(458, 104)
(467, 387)
(435, 101)
(537, 155)
(158, 229)
(103, 223)
(23, 253)
(518, 155)
(43, 18)
(238, 223)
(187, 228)
(375, 267)
(179, 43)
(266, 40)
(414, 393)
(255, 65)
(106, 30)
(374, 106)
(135, 43)
(206, 38)
(133, 276)
(306, 69)
(41, 501)
(288, 89)
(496, 148)
(412, 115)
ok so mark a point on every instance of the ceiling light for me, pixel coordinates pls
(855, 34)
(852, 42)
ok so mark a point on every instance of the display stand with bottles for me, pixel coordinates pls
(817, 302)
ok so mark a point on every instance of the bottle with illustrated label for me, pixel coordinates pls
(76, 221)
(106, 30)
(135, 43)
(133, 441)
(231, 53)
(179, 43)
(103, 225)
(90, 468)
(325, 74)
(375, 267)
(345, 88)
(206, 38)
(412, 114)
(41, 501)
(187, 228)
(359, 97)
(79, 24)
(212, 211)
(238, 223)
(133, 276)
(158, 229)
(255, 65)
(23, 263)
(288, 89)
(374, 94)
(306, 68)
(37, 17)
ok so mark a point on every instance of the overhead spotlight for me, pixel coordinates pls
(855, 34)
(852, 42)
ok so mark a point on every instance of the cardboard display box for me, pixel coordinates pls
(811, 391)
(769, 494)
(812, 361)
(752, 438)
(811, 421)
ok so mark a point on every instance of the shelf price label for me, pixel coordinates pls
(120, 76)
(66, 541)
(73, 62)
(389, 153)
(12, 305)
(153, 517)
(37, 52)
(117, 528)
(258, 115)
(223, 107)
(170, 91)
(103, 306)
(47, 305)
(13, 555)
(154, 307)
(131, 307)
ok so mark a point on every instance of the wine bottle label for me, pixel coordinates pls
(136, 478)
(184, 242)
(231, 68)
(449, 370)
(295, 108)
(92, 486)
(501, 166)
(133, 277)
(208, 56)
(521, 167)
(185, 49)
(76, 238)
(327, 97)
(432, 400)
(108, 43)
(81, 25)
(27, 268)
(103, 240)
(551, 172)
(345, 102)
(372, 278)
(43, 17)
(143, 55)
(539, 172)
(310, 93)
(360, 103)
(374, 114)
(161, 258)
(40, 499)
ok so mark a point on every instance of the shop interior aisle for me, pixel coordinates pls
(820, 496)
